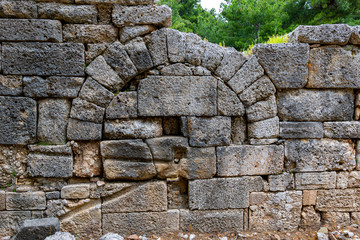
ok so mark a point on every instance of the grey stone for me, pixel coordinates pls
(133, 128)
(355, 36)
(53, 119)
(321, 180)
(10, 221)
(43, 58)
(93, 92)
(212, 221)
(124, 105)
(139, 15)
(25, 201)
(156, 42)
(194, 49)
(67, 87)
(315, 105)
(122, 2)
(128, 170)
(117, 57)
(76, 191)
(38, 229)
(339, 200)
(168, 148)
(176, 45)
(79, 130)
(238, 130)
(94, 50)
(52, 195)
(89, 33)
(177, 96)
(111, 236)
(334, 67)
(354, 179)
(30, 30)
(247, 75)
(2, 200)
(316, 155)
(222, 193)
(61, 236)
(230, 64)
(200, 71)
(68, 13)
(341, 219)
(255, 141)
(130, 32)
(262, 110)
(177, 69)
(51, 149)
(139, 54)
(237, 160)
(286, 64)
(144, 223)
(259, 90)
(281, 183)
(338, 34)
(310, 219)
(10, 85)
(17, 120)
(342, 129)
(342, 179)
(229, 103)
(126, 150)
(301, 130)
(212, 56)
(86, 111)
(264, 129)
(18, 9)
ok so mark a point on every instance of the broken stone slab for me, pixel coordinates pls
(213, 56)
(229, 103)
(262, 110)
(259, 90)
(86, 111)
(130, 32)
(321, 180)
(139, 54)
(79, 130)
(230, 64)
(128, 170)
(12, 220)
(61, 236)
(76, 191)
(286, 63)
(268, 128)
(238, 130)
(11, 85)
(316, 155)
(176, 45)
(38, 229)
(30, 58)
(342, 129)
(95, 93)
(315, 105)
(68, 13)
(301, 130)
(126, 150)
(124, 105)
(18, 9)
(239, 160)
(87, 160)
(282, 182)
(177, 69)
(177, 96)
(339, 200)
(88, 33)
(156, 42)
(25, 201)
(18, 116)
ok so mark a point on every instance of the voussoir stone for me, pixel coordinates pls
(18, 9)
(156, 42)
(342, 129)
(139, 54)
(230, 64)
(213, 56)
(129, 32)
(86, 111)
(177, 69)
(38, 228)
(124, 105)
(301, 130)
(268, 128)
(176, 45)
(25, 201)
(262, 110)
(11, 85)
(194, 49)
(259, 90)
(93, 92)
(89, 33)
(80, 130)
(229, 103)
(339, 200)
(315, 180)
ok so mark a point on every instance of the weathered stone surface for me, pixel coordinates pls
(75, 191)
(171, 125)
(156, 42)
(354, 179)
(213, 56)
(68, 13)
(139, 54)
(111, 236)
(315, 105)
(208, 132)
(122, 2)
(338, 34)
(95, 93)
(130, 32)
(230, 64)
(177, 192)
(334, 67)
(30, 30)
(315, 155)
(255, 141)
(237, 160)
(61, 236)
(322, 180)
(310, 219)
(139, 15)
(342, 179)
(146, 197)
(87, 160)
(176, 45)
(131, 170)
(124, 105)
(133, 128)
(52, 195)
(126, 150)
(355, 36)
(94, 50)
(177, 96)
(168, 148)
(38, 228)
(177, 69)
(342, 129)
(18, 9)
(67, 87)
(2, 200)
(229, 103)
(301, 130)
(108, 189)
(12, 164)
(194, 49)
(355, 218)
(309, 197)
(25, 201)
(259, 90)
(339, 200)
(89, 33)
(86, 111)
(146, 223)
(79, 130)
(262, 110)
(281, 183)
(286, 64)
(238, 130)
(43, 59)
(17, 120)
(222, 193)
(336, 218)
(212, 221)
(200, 71)
(10, 85)
(53, 119)
(264, 129)
(10, 221)
(272, 211)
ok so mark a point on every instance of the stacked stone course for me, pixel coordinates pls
(112, 122)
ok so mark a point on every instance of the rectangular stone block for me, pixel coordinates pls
(177, 96)
(128, 170)
(25, 201)
(301, 130)
(76, 191)
(309, 197)
(124, 105)
(239, 160)
(338, 200)
(10, 221)
(321, 180)
(262, 110)
(341, 219)
(315, 105)
(80, 33)
(126, 149)
(65, 59)
(342, 129)
(30, 30)
(317, 155)
(268, 128)
(238, 130)
(156, 42)
(222, 193)
(10, 85)
(86, 111)
(212, 221)
(18, 9)
(282, 182)
(79, 130)
(2, 200)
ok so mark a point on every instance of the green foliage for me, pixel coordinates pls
(273, 39)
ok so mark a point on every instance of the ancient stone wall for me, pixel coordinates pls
(113, 122)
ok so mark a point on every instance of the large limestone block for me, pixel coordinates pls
(275, 211)
(229, 103)
(93, 92)
(212, 221)
(25, 201)
(87, 160)
(79, 130)
(259, 90)
(315, 105)
(239, 160)
(17, 120)
(222, 193)
(38, 228)
(18, 9)
(76, 191)
(156, 42)
(342, 129)
(334, 67)
(346, 200)
(316, 155)
(11, 85)
(176, 45)
(341, 219)
(301, 130)
(30, 30)
(168, 149)
(139, 54)
(321, 180)
(130, 32)
(212, 56)
(268, 128)
(68, 13)
(177, 96)
(281, 183)
(89, 33)
(286, 64)
(194, 49)
(65, 59)
(262, 110)
(230, 64)
(10, 221)
(128, 170)
(124, 105)
(126, 150)
(86, 111)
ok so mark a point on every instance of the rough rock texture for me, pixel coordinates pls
(259, 90)
(18, 9)
(130, 32)
(75, 191)
(342, 129)
(282, 182)
(139, 54)
(111, 236)
(341, 219)
(124, 105)
(264, 129)
(79, 130)
(87, 160)
(38, 229)
(68, 13)
(61, 236)
(2, 200)
(228, 102)
(86, 111)
(238, 130)
(346, 200)
(230, 64)
(322, 180)
(177, 69)
(10, 221)
(301, 130)
(262, 110)
(355, 36)
(213, 56)
(25, 201)
(309, 197)
(95, 93)
(10, 85)
(89, 33)
(157, 42)
(310, 219)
